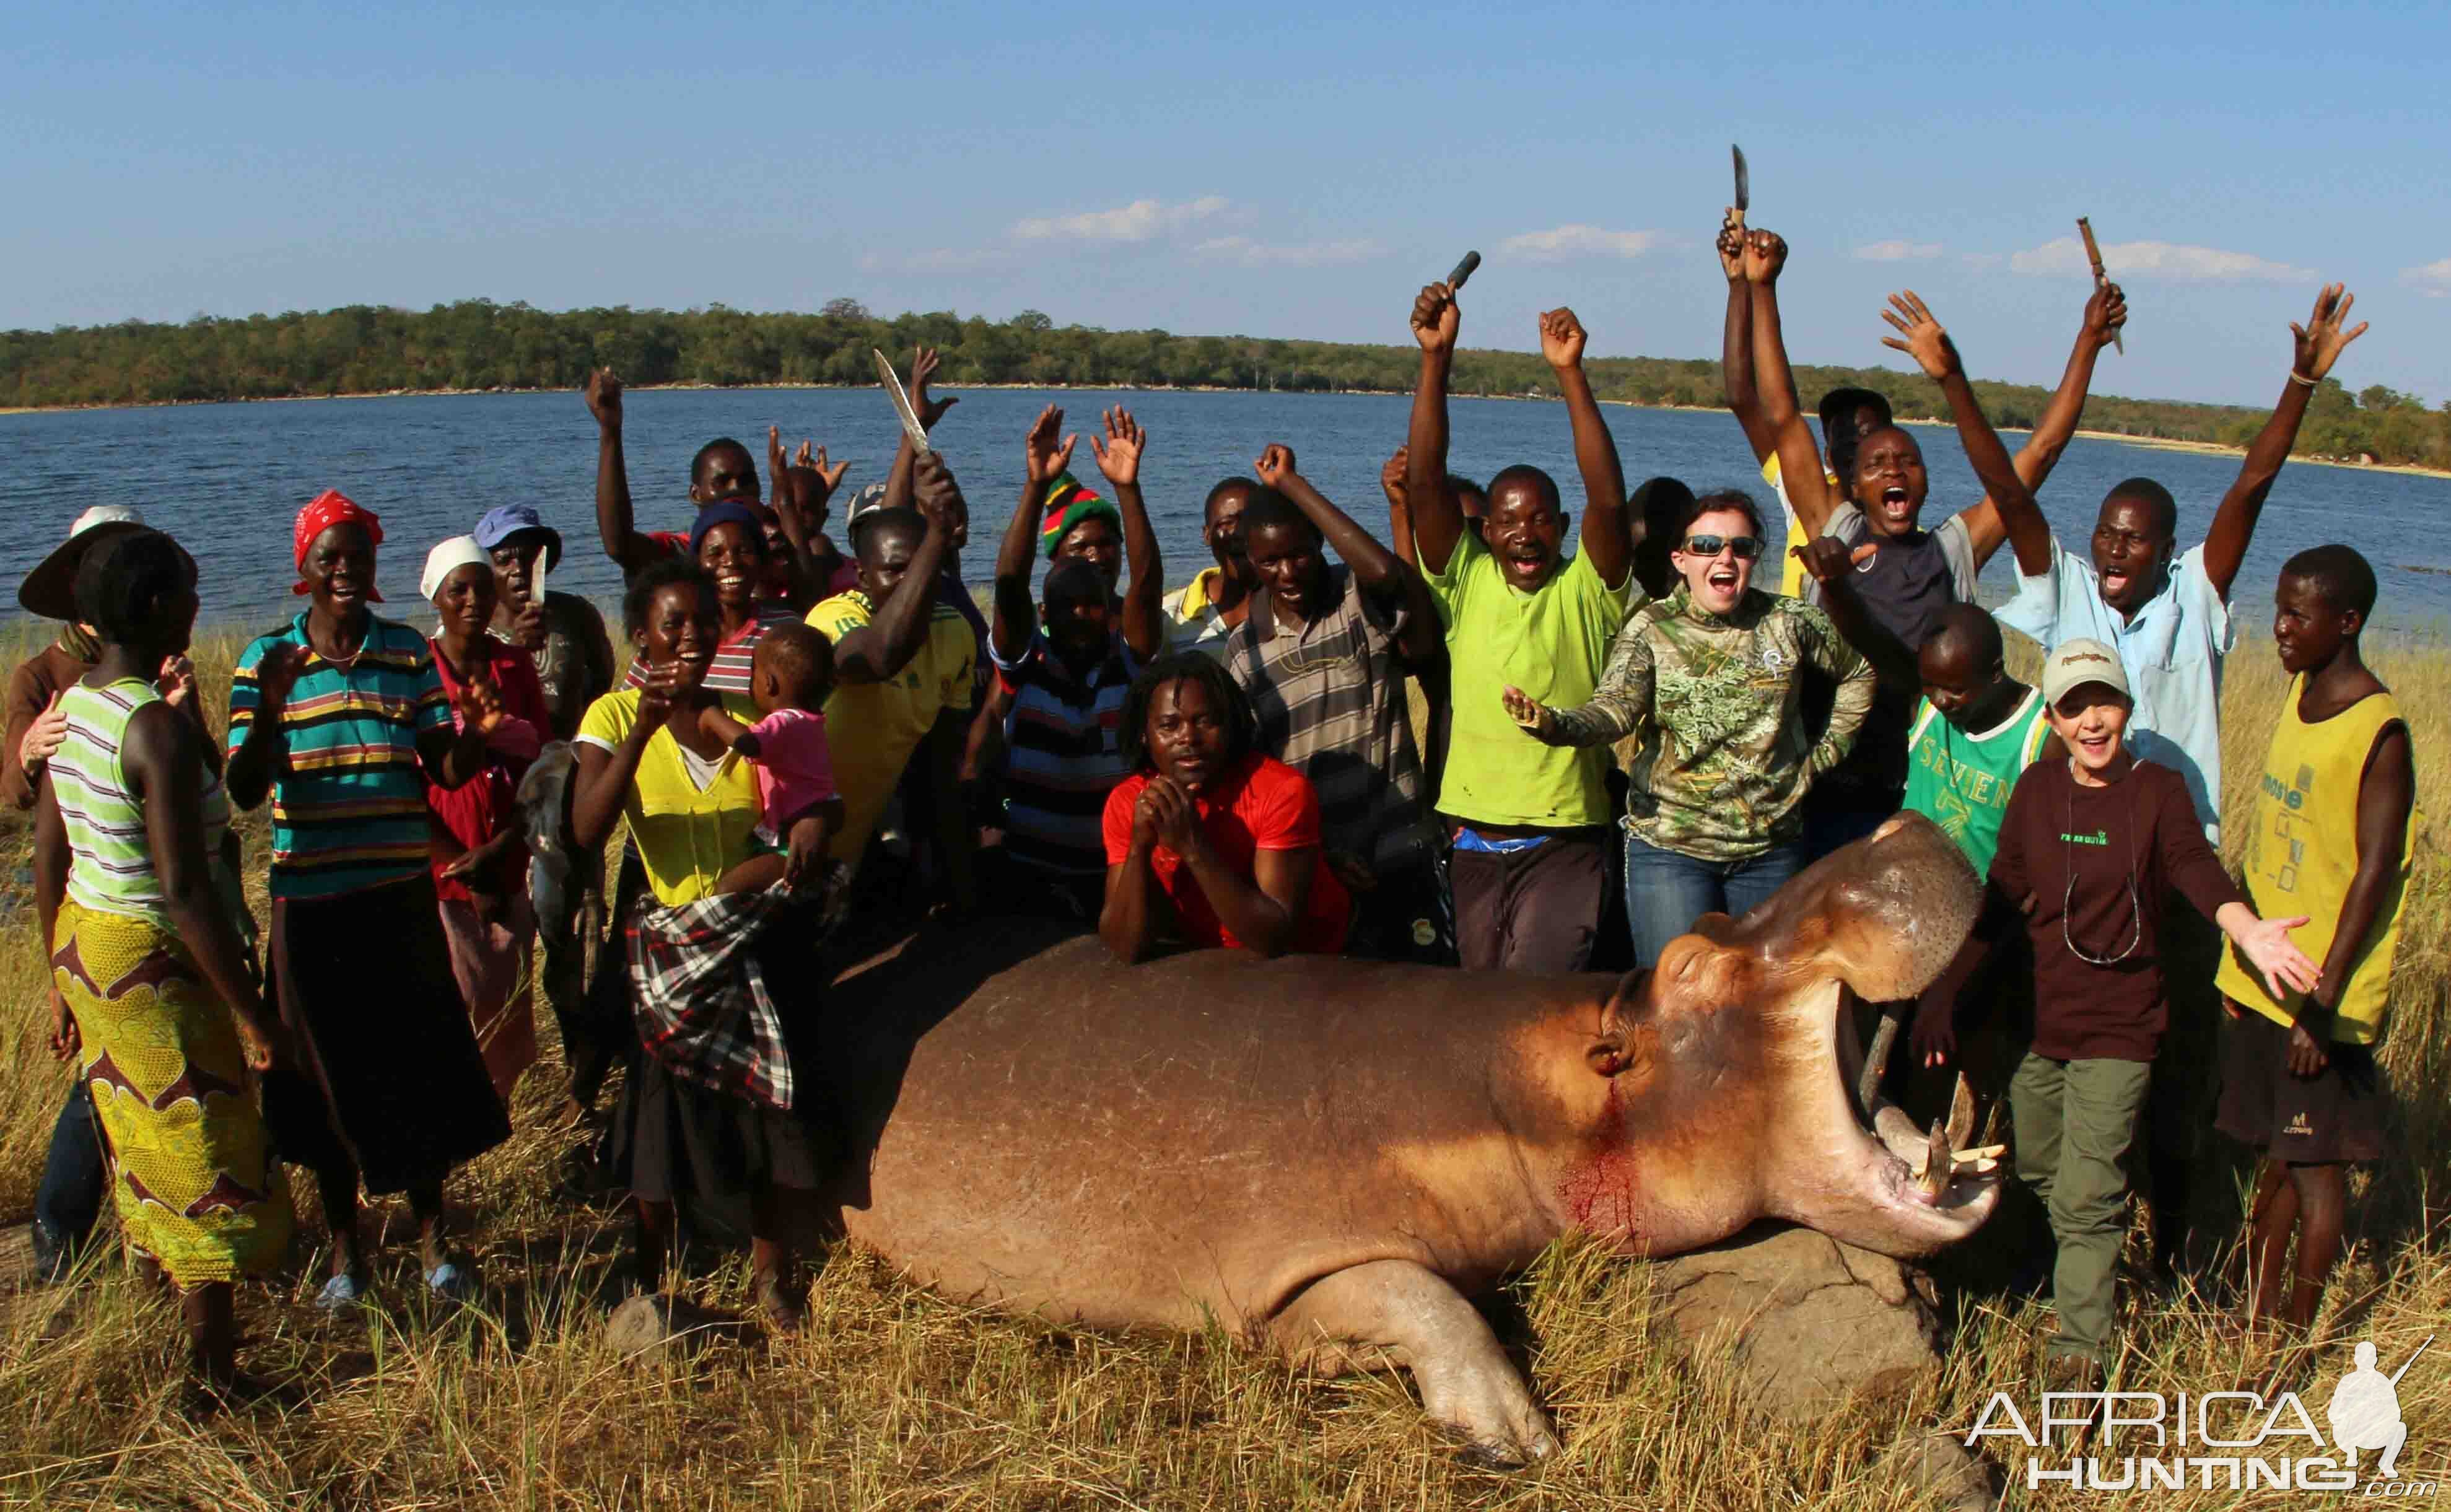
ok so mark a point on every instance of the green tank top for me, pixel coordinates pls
(1962, 782)
(111, 866)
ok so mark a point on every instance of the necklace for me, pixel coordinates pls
(2135, 911)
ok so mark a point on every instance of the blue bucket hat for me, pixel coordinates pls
(505, 520)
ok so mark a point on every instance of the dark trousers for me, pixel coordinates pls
(2179, 1106)
(74, 1181)
(1530, 910)
(1404, 917)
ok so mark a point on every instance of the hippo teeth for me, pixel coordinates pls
(1961, 1113)
(1935, 1176)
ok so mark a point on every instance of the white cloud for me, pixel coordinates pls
(1897, 251)
(1982, 259)
(1137, 222)
(2433, 279)
(1260, 254)
(2169, 260)
(1556, 245)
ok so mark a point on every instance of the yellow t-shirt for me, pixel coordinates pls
(1552, 644)
(687, 836)
(1791, 571)
(2301, 851)
(875, 726)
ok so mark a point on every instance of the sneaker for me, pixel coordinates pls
(450, 1282)
(342, 1293)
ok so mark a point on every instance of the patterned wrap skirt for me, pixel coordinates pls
(196, 1186)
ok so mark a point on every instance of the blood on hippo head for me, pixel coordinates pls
(1727, 1096)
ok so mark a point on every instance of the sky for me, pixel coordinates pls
(1265, 169)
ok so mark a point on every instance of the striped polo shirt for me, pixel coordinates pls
(348, 804)
(1330, 701)
(110, 865)
(1063, 755)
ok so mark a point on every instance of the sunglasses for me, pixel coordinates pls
(1745, 548)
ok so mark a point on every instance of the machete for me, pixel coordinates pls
(2093, 255)
(910, 425)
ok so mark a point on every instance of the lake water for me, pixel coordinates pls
(227, 479)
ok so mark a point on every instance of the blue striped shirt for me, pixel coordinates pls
(348, 802)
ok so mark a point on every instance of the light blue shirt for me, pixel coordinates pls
(2172, 651)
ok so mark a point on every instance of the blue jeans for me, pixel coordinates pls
(69, 1199)
(1665, 891)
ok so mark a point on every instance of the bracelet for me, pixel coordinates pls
(2296, 378)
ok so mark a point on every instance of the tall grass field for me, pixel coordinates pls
(894, 1397)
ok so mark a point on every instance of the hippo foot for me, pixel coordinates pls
(1416, 1319)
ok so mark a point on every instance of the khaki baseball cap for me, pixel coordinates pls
(2074, 663)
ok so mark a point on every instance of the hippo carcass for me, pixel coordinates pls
(1320, 1154)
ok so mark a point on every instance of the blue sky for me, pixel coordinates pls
(1263, 168)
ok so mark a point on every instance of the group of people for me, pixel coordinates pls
(811, 738)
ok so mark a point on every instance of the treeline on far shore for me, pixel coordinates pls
(477, 345)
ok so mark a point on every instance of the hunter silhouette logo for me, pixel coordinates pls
(2211, 1441)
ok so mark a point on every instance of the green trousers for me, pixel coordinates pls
(2074, 1121)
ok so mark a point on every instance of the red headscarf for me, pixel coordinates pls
(327, 509)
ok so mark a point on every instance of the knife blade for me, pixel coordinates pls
(2093, 255)
(1744, 185)
(1463, 271)
(910, 425)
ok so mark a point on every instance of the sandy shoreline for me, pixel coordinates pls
(2163, 443)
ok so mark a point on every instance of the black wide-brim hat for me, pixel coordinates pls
(49, 590)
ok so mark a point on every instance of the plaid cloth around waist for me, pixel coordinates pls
(700, 997)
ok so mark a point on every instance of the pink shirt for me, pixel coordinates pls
(795, 766)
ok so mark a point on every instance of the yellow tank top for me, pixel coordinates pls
(2301, 851)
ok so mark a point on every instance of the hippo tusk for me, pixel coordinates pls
(1961, 1113)
(1935, 1173)
(1979, 1153)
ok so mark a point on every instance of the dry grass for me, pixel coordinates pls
(897, 1398)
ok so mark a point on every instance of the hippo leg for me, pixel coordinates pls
(1424, 1324)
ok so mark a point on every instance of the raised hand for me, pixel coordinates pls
(176, 681)
(1391, 478)
(1561, 338)
(778, 481)
(2320, 340)
(2269, 949)
(1535, 719)
(1276, 465)
(43, 736)
(1926, 342)
(1828, 558)
(1047, 456)
(276, 675)
(527, 625)
(479, 703)
(924, 362)
(2105, 313)
(604, 398)
(1436, 320)
(830, 474)
(1731, 247)
(1765, 256)
(1119, 455)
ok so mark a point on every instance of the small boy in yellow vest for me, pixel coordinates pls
(2335, 807)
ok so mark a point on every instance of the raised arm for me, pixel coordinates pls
(1618, 706)
(1044, 459)
(788, 491)
(1929, 345)
(885, 645)
(1736, 346)
(1119, 458)
(1800, 457)
(1830, 564)
(1399, 514)
(2319, 342)
(614, 524)
(1604, 538)
(2105, 311)
(1438, 519)
(1376, 568)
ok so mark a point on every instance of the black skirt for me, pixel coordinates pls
(390, 1079)
(672, 1137)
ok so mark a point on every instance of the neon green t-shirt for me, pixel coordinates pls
(1962, 782)
(1552, 644)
